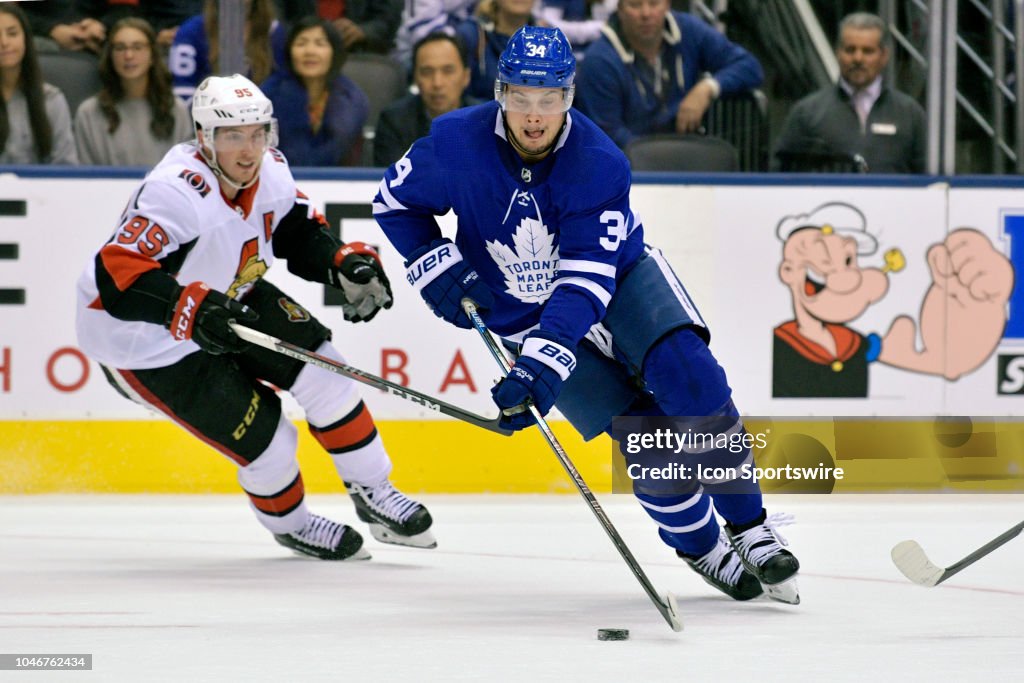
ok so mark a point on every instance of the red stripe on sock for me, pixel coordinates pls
(282, 502)
(356, 427)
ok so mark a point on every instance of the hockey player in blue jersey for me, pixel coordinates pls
(551, 252)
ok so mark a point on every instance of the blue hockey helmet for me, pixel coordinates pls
(537, 57)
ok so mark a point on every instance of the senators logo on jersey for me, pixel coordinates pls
(195, 181)
(296, 313)
(250, 268)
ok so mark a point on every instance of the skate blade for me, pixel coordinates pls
(787, 591)
(361, 554)
(424, 539)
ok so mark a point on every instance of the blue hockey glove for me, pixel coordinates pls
(544, 363)
(444, 279)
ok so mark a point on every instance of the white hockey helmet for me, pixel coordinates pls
(229, 101)
(222, 101)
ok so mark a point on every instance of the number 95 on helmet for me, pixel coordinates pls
(537, 57)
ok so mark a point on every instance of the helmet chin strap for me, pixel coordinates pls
(527, 154)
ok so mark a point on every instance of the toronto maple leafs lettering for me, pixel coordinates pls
(527, 238)
(530, 265)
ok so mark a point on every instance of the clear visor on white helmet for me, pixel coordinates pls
(255, 137)
(522, 99)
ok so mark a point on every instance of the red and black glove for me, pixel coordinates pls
(359, 274)
(202, 315)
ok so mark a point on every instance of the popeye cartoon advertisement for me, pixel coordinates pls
(835, 269)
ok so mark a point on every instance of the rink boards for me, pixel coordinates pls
(63, 429)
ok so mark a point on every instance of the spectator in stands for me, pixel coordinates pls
(580, 20)
(860, 115)
(135, 118)
(364, 25)
(320, 112)
(420, 18)
(658, 71)
(194, 54)
(486, 34)
(35, 124)
(441, 73)
(62, 22)
(163, 15)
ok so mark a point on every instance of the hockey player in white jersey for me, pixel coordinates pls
(553, 255)
(187, 258)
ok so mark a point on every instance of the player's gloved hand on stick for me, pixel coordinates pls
(202, 315)
(544, 363)
(444, 279)
(359, 274)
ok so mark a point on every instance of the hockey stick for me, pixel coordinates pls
(666, 604)
(910, 559)
(297, 352)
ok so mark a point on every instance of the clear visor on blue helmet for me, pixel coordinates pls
(529, 100)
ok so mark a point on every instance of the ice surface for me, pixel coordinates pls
(191, 588)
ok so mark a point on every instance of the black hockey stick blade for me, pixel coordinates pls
(271, 343)
(666, 603)
(911, 559)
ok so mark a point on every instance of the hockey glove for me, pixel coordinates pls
(544, 363)
(443, 279)
(359, 274)
(202, 315)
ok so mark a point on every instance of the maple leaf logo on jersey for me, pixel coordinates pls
(531, 265)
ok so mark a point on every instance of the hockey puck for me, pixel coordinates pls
(613, 634)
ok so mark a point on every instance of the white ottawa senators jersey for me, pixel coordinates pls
(179, 220)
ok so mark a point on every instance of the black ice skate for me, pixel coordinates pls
(325, 540)
(759, 546)
(722, 568)
(393, 517)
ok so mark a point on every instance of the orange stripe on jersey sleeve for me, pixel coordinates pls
(355, 430)
(125, 266)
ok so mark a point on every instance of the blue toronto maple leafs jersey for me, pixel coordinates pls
(550, 239)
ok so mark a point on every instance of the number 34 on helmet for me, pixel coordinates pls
(537, 57)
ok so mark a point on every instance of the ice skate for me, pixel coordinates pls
(325, 540)
(393, 517)
(722, 568)
(759, 546)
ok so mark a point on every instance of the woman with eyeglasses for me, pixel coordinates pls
(35, 122)
(135, 118)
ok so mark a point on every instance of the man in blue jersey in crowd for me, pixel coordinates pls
(551, 252)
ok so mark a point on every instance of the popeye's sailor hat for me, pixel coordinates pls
(834, 217)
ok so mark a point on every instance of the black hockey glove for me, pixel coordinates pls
(202, 315)
(359, 274)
